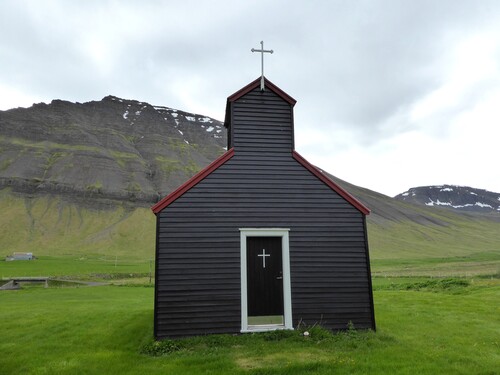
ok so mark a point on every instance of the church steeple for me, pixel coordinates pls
(260, 121)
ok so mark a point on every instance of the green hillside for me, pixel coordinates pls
(416, 240)
(464, 247)
(70, 239)
(52, 227)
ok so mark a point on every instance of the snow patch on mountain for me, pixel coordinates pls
(483, 205)
(182, 121)
(453, 197)
(439, 203)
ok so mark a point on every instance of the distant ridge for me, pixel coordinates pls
(461, 198)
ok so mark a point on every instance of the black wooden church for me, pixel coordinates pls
(260, 239)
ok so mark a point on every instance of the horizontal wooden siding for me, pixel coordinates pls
(198, 265)
(262, 122)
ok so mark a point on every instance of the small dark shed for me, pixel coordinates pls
(260, 239)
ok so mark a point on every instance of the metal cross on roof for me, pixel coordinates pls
(262, 51)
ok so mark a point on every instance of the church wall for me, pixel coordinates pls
(261, 186)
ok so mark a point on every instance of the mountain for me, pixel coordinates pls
(409, 239)
(462, 198)
(77, 181)
(113, 149)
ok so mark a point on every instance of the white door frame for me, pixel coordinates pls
(287, 294)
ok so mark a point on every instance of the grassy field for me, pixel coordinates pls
(426, 324)
(423, 328)
(465, 247)
(78, 267)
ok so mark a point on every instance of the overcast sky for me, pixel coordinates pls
(390, 94)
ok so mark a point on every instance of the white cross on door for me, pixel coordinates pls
(263, 255)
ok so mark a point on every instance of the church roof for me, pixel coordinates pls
(170, 198)
(268, 84)
(332, 185)
(200, 176)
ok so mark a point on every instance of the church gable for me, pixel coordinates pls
(261, 131)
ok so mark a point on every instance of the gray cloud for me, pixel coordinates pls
(355, 67)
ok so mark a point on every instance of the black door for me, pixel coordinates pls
(264, 276)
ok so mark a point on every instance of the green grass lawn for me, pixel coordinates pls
(426, 325)
(76, 267)
(487, 263)
(102, 330)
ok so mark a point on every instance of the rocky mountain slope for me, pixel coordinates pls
(460, 198)
(113, 149)
(129, 151)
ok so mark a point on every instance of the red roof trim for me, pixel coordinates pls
(254, 84)
(344, 194)
(192, 181)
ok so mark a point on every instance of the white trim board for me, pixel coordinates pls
(287, 294)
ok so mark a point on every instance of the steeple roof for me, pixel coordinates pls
(252, 86)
